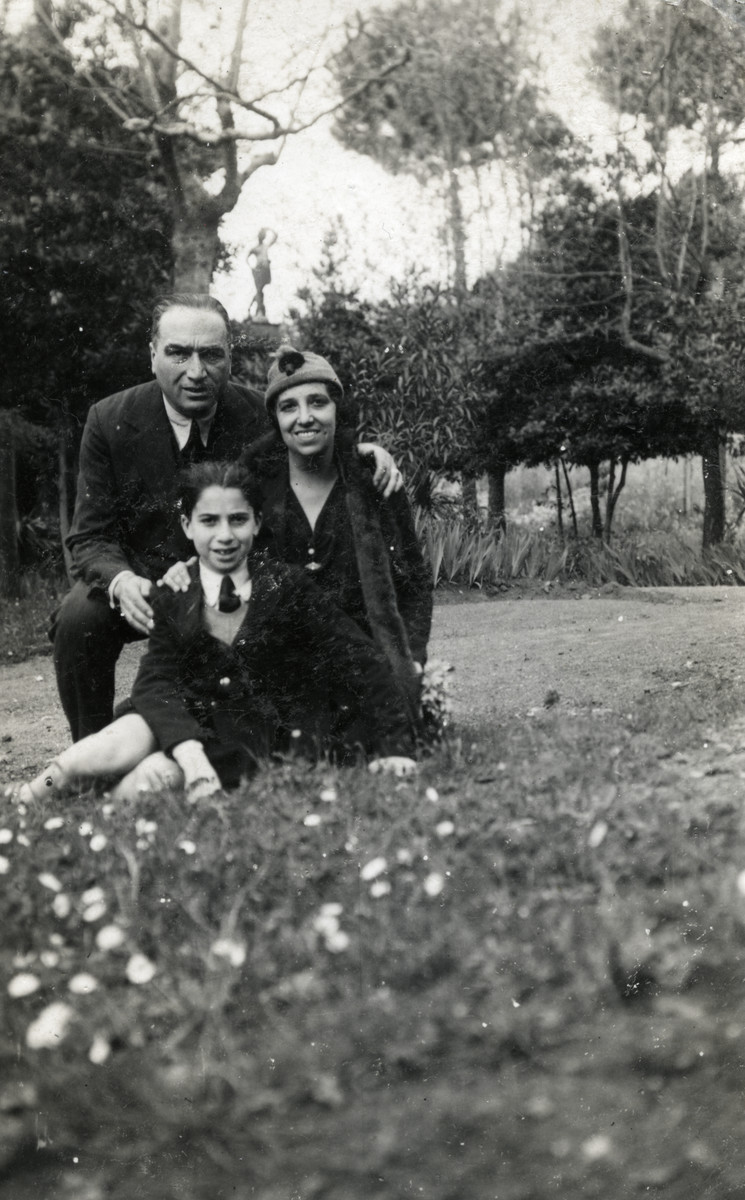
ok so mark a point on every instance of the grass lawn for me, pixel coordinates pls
(24, 623)
(518, 976)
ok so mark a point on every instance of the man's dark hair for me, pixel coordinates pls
(194, 480)
(198, 300)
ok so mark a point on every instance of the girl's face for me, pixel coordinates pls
(306, 416)
(222, 527)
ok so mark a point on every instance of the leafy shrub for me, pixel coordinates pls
(406, 363)
(659, 560)
(460, 554)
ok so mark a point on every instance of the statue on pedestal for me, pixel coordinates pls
(261, 270)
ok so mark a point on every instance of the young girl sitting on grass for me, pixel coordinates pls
(251, 659)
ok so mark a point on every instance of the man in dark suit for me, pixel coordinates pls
(125, 533)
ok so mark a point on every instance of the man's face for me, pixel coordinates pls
(190, 357)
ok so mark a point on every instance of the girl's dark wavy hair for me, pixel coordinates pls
(194, 480)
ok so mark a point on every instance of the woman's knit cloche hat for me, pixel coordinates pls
(291, 367)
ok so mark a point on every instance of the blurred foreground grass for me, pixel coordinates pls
(519, 975)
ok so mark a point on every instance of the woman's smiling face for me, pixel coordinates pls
(306, 416)
(222, 527)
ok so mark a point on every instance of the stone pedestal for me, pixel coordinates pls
(264, 331)
(253, 351)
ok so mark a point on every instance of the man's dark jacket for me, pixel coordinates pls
(125, 514)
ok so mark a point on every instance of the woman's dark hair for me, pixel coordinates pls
(194, 480)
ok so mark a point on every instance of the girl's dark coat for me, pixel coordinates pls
(297, 663)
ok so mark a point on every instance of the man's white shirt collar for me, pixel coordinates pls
(181, 425)
(211, 581)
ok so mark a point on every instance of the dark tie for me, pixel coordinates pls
(229, 599)
(194, 451)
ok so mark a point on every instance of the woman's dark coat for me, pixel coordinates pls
(396, 581)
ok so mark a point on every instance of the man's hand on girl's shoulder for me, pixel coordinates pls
(177, 577)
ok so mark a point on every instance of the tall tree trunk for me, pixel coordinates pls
(714, 473)
(686, 501)
(559, 501)
(597, 520)
(497, 504)
(196, 244)
(457, 231)
(614, 491)
(470, 497)
(570, 498)
(10, 563)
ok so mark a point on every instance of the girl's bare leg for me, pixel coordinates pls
(114, 750)
(154, 774)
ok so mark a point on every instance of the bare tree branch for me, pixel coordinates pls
(216, 85)
(685, 238)
(269, 159)
(237, 55)
(228, 134)
(395, 65)
(145, 100)
(87, 75)
(286, 87)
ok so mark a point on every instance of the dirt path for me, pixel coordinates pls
(594, 653)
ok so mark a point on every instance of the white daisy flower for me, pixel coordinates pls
(50, 1027)
(434, 883)
(83, 984)
(100, 1050)
(24, 984)
(232, 951)
(49, 881)
(61, 905)
(337, 942)
(373, 868)
(110, 937)
(140, 969)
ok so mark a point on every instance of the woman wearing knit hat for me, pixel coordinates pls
(322, 512)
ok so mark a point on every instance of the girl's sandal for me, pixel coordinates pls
(51, 780)
(18, 793)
